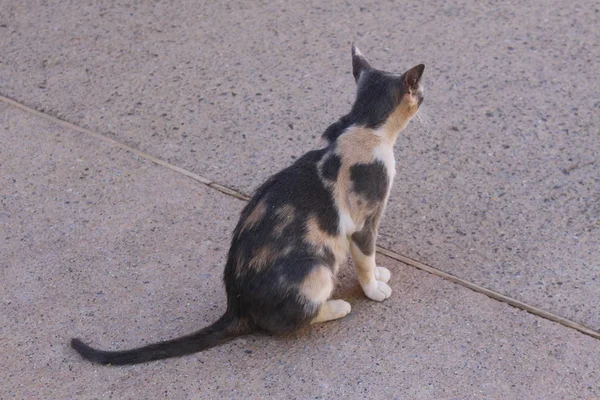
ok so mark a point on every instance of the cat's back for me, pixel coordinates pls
(279, 237)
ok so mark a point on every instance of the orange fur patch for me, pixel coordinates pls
(285, 216)
(318, 285)
(321, 240)
(401, 116)
(357, 145)
(255, 216)
(263, 257)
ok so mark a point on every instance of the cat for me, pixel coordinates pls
(300, 225)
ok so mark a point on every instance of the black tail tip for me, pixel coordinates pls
(88, 353)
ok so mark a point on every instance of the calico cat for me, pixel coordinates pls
(301, 223)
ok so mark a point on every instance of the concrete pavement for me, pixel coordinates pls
(500, 187)
(235, 91)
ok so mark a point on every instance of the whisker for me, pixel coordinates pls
(424, 120)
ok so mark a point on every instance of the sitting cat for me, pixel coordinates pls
(300, 224)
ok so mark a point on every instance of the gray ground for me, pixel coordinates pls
(499, 186)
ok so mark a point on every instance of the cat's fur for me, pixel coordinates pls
(300, 224)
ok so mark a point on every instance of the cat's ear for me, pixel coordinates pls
(413, 76)
(359, 63)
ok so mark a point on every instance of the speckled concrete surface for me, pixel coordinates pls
(501, 187)
(99, 244)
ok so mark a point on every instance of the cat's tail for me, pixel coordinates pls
(225, 328)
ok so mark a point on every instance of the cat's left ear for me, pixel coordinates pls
(359, 63)
(413, 76)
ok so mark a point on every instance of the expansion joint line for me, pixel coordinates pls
(388, 253)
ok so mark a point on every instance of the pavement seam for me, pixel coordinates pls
(490, 293)
(122, 146)
(385, 252)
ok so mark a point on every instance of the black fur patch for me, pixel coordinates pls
(334, 130)
(370, 180)
(270, 296)
(365, 239)
(300, 186)
(331, 167)
(328, 256)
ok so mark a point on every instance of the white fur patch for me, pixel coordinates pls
(347, 225)
(385, 153)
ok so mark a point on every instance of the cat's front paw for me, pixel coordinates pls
(382, 274)
(377, 290)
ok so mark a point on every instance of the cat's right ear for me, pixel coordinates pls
(359, 63)
(413, 76)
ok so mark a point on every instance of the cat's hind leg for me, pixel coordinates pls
(316, 288)
(332, 309)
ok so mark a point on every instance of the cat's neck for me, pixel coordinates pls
(337, 128)
(389, 131)
(392, 127)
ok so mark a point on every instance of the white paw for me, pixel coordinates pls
(382, 274)
(340, 308)
(377, 290)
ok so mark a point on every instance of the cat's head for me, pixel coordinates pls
(384, 100)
